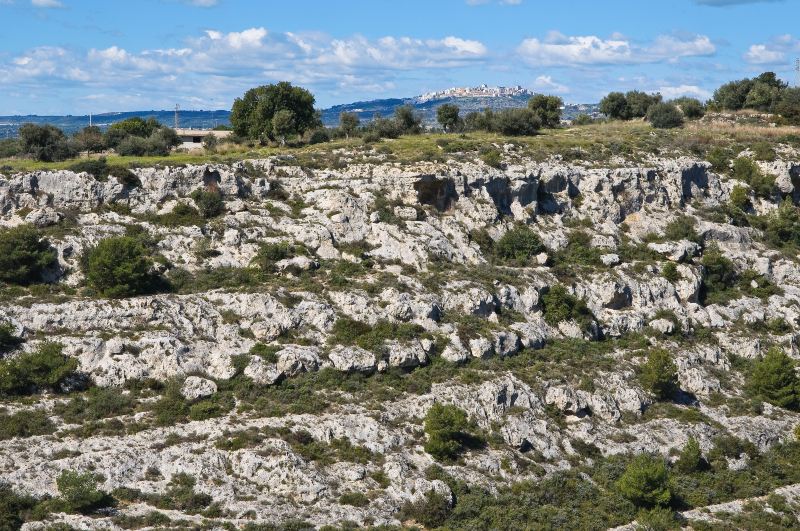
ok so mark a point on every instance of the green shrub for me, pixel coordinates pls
(119, 267)
(24, 255)
(659, 375)
(79, 492)
(719, 276)
(8, 340)
(664, 116)
(670, 272)
(691, 458)
(518, 245)
(720, 159)
(430, 510)
(271, 253)
(354, 498)
(516, 122)
(448, 430)
(182, 214)
(181, 496)
(96, 404)
(209, 202)
(774, 379)
(43, 369)
(764, 151)
(682, 228)
(547, 109)
(740, 198)
(25, 424)
(348, 331)
(690, 107)
(782, 227)
(14, 508)
(559, 305)
(748, 171)
(492, 157)
(646, 482)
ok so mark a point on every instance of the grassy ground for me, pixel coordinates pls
(595, 143)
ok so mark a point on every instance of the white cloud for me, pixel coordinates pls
(546, 84)
(774, 52)
(672, 92)
(557, 49)
(46, 3)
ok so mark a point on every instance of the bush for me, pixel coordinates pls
(560, 305)
(583, 119)
(348, 331)
(210, 142)
(271, 253)
(517, 122)
(691, 458)
(774, 379)
(640, 103)
(180, 496)
(447, 116)
(659, 375)
(682, 228)
(46, 143)
(664, 116)
(24, 255)
(408, 121)
(720, 159)
(44, 369)
(119, 267)
(79, 492)
(719, 276)
(209, 202)
(782, 227)
(492, 157)
(355, 499)
(132, 146)
(747, 170)
(518, 245)
(8, 340)
(319, 136)
(615, 106)
(670, 272)
(646, 482)
(97, 404)
(740, 198)
(764, 151)
(430, 510)
(448, 430)
(690, 107)
(25, 424)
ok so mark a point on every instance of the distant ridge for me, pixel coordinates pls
(467, 98)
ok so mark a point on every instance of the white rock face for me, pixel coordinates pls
(195, 387)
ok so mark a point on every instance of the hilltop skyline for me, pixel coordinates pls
(81, 56)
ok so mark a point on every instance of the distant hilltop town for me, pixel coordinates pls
(474, 92)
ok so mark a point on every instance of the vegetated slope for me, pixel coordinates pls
(377, 342)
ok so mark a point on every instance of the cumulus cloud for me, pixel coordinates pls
(672, 92)
(774, 52)
(546, 84)
(557, 49)
(217, 65)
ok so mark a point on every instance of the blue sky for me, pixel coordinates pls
(81, 56)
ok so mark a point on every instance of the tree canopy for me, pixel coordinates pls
(253, 114)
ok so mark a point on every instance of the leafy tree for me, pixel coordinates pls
(762, 96)
(89, 139)
(547, 109)
(774, 379)
(162, 141)
(45, 368)
(118, 267)
(132, 127)
(690, 107)
(448, 431)
(518, 245)
(615, 106)
(516, 122)
(664, 116)
(210, 142)
(132, 146)
(283, 125)
(24, 255)
(732, 96)
(79, 492)
(788, 105)
(46, 143)
(447, 116)
(639, 103)
(348, 123)
(691, 458)
(659, 374)
(252, 114)
(479, 121)
(408, 121)
(646, 482)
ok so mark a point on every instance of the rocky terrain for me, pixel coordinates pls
(307, 374)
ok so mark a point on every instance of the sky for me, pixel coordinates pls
(93, 56)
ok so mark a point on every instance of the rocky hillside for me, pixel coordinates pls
(282, 363)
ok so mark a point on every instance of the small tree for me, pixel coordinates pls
(118, 267)
(615, 106)
(89, 139)
(447, 116)
(691, 457)
(659, 374)
(690, 107)
(774, 379)
(46, 368)
(639, 103)
(408, 121)
(210, 142)
(24, 255)
(646, 482)
(209, 202)
(283, 125)
(252, 114)
(516, 122)
(547, 109)
(664, 116)
(448, 431)
(518, 245)
(348, 123)
(79, 492)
